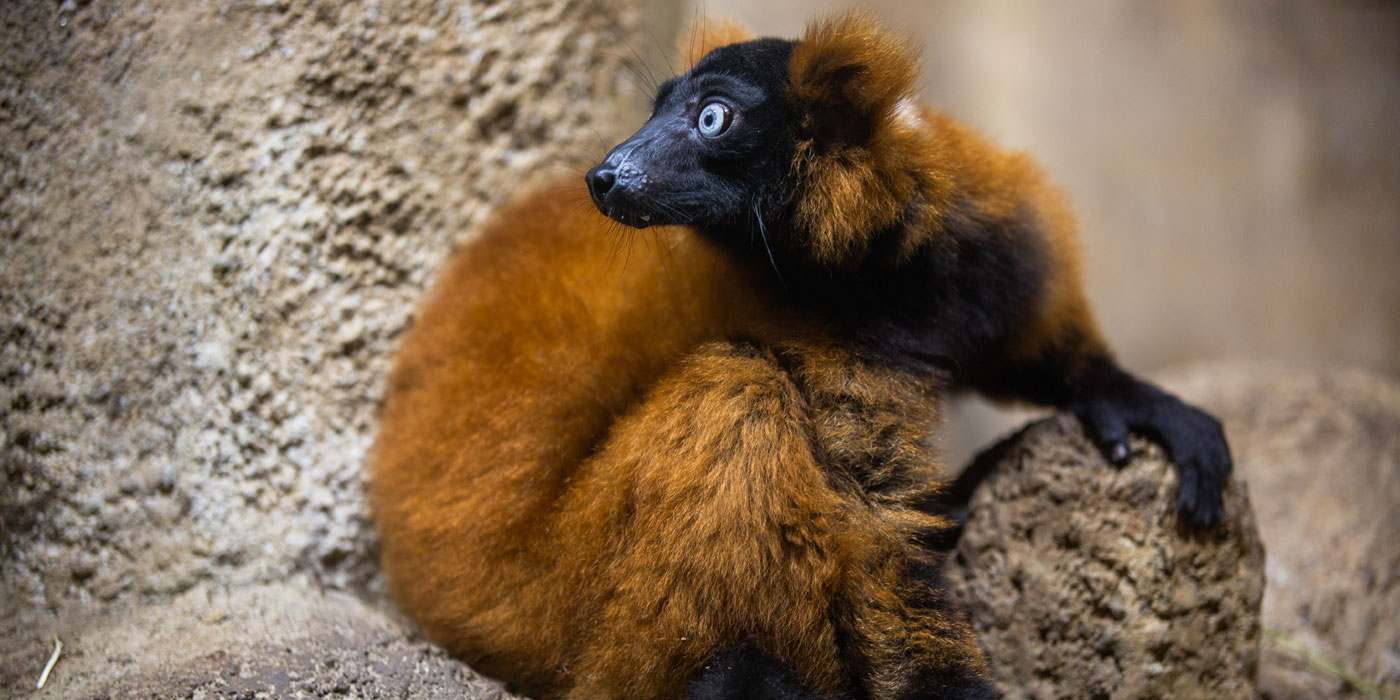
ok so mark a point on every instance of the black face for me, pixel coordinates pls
(716, 151)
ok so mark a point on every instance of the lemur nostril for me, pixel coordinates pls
(600, 180)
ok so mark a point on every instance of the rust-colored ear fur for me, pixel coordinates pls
(707, 34)
(851, 73)
(867, 148)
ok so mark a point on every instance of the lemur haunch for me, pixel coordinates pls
(606, 471)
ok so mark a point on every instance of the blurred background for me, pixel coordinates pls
(1235, 166)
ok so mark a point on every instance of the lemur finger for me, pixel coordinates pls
(1188, 500)
(1206, 508)
(1199, 448)
(1201, 497)
(1108, 430)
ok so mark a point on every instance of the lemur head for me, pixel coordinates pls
(812, 147)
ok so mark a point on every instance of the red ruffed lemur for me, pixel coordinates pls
(703, 470)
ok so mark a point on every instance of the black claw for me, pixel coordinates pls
(1118, 453)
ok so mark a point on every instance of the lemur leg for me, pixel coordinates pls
(730, 534)
(1060, 359)
(874, 422)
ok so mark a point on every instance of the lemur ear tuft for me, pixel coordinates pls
(850, 75)
(862, 157)
(707, 34)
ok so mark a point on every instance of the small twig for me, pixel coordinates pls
(1322, 664)
(53, 659)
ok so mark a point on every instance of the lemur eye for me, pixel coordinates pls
(714, 119)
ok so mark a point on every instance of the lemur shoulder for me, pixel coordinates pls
(611, 470)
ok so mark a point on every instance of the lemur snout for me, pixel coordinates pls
(615, 189)
(600, 180)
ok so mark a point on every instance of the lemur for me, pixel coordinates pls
(611, 470)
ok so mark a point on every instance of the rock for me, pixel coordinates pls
(1081, 583)
(216, 221)
(1320, 450)
(275, 641)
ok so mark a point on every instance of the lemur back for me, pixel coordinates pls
(694, 460)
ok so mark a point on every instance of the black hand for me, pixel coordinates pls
(1193, 439)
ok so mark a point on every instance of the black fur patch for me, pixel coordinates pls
(745, 673)
(953, 686)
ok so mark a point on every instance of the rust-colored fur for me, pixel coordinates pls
(599, 465)
(580, 486)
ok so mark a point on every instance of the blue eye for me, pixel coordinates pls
(714, 119)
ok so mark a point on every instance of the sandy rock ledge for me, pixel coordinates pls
(272, 641)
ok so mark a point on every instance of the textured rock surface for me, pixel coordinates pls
(1081, 584)
(273, 641)
(215, 220)
(1320, 451)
